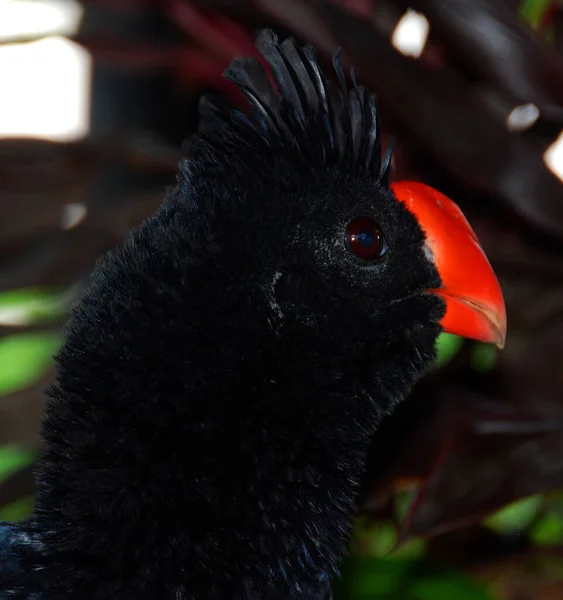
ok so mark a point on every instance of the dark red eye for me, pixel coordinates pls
(363, 238)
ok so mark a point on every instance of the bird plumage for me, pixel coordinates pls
(226, 368)
(300, 113)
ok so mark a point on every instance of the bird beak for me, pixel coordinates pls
(474, 302)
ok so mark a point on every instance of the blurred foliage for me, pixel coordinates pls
(533, 12)
(24, 357)
(367, 578)
(467, 504)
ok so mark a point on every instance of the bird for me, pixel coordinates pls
(226, 368)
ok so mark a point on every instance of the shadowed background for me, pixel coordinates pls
(95, 101)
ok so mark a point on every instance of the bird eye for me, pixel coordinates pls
(363, 238)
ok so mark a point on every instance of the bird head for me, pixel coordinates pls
(298, 204)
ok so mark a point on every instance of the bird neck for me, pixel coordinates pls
(218, 455)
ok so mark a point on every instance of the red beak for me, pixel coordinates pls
(474, 302)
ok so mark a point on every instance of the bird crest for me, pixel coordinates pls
(297, 111)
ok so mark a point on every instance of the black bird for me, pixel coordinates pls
(226, 368)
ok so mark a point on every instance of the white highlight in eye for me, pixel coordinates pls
(522, 117)
(411, 33)
(73, 214)
(553, 157)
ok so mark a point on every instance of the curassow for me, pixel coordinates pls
(226, 368)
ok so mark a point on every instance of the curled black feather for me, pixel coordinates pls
(303, 115)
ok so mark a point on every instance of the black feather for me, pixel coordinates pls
(304, 116)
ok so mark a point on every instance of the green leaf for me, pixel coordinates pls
(447, 347)
(26, 306)
(483, 357)
(414, 548)
(383, 538)
(372, 578)
(17, 511)
(516, 516)
(13, 458)
(532, 11)
(24, 358)
(403, 501)
(449, 586)
(548, 531)
(388, 579)
(374, 539)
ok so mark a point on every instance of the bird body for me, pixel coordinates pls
(226, 368)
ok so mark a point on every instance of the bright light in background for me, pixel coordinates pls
(25, 18)
(411, 33)
(522, 117)
(45, 84)
(14, 316)
(45, 90)
(410, 37)
(553, 157)
(73, 214)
